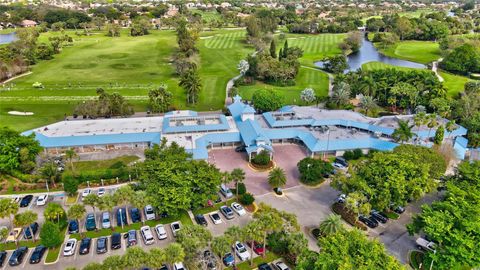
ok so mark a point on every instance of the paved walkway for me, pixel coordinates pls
(330, 78)
(435, 69)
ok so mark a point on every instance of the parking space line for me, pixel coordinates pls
(27, 257)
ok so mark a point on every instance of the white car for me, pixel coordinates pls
(101, 192)
(216, 219)
(178, 266)
(147, 235)
(86, 192)
(42, 199)
(161, 232)
(106, 220)
(70, 246)
(175, 227)
(149, 213)
(338, 165)
(281, 266)
(238, 209)
(241, 251)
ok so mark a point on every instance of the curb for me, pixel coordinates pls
(261, 170)
(54, 262)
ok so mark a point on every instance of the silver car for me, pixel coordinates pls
(106, 220)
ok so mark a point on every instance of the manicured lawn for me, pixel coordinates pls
(417, 51)
(454, 83)
(380, 65)
(24, 243)
(269, 257)
(52, 254)
(208, 15)
(416, 13)
(184, 218)
(216, 207)
(101, 164)
(307, 77)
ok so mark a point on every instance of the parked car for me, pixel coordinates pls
(102, 244)
(69, 248)
(257, 247)
(338, 165)
(227, 212)
(42, 199)
(3, 256)
(149, 213)
(424, 244)
(264, 266)
(164, 267)
(228, 259)
(342, 161)
(106, 220)
(238, 209)
(215, 218)
(369, 222)
(379, 216)
(72, 226)
(17, 256)
(30, 230)
(178, 266)
(116, 241)
(242, 251)
(37, 254)
(175, 227)
(210, 260)
(101, 192)
(135, 215)
(225, 191)
(281, 266)
(13, 235)
(121, 217)
(86, 192)
(26, 200)
(399, 210)
(85, 246)
(240, 148)
(342, 198)
(200, 219)
(131, 237)
(147, 235)
(161, 232)
(90, 223)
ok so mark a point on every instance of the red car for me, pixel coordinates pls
(257, 247)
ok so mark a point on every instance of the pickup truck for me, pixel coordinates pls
(424, 244)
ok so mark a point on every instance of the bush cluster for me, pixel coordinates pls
(262, 158)
(247, 199)
(348, 215)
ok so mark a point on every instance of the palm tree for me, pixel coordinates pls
(234, 234)
(8, 208)
(420, 119)
(135, 257)
(49, 171)
(156, 258)
(70, 154)
(107, 203)
(174, 253)
(450, 127)
(114, 262)
(253, 232)
(140, 200)
(220, 246)
(76, 212)
(53, 211)
(403, 133)
(3, 233)
(331, 225)
(190, 81)
(92, 200)
(341, 94)
(432, 122)
(368, 103)
(277, 178)
(26, 219)
(123, 196)
(238, 175)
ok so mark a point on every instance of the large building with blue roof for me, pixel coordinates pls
(327, 132)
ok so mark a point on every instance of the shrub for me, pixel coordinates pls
(70, 185)
(242, 189)
(262, 158)
(349, 216)
(50, 235)
(312, 171)
(353, 155)
(247, 199)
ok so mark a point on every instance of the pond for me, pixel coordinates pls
(7, 38)
(368, 53)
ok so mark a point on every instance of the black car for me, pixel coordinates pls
(121, 217)
(37, 254)
(200, 219)
(3, 256)
(116, 241)
(164, 267)
(135, 215)
(73, 226)
(379, 216)
(264, 266)
(17, 256)
(368, 221)
(90, 223)
(26, 200)
(240, 148)
(102, 243)
(131, 237)
(28, 231)
(85, 246)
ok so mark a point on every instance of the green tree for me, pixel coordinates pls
(50, 235)
(368, 104)
(159, 99)
(107, 203)
(463, 60)
(332, 224)
(8, 208)
(3, 233)
(312, 170)
(70, 185)
(277, 178)
(403, 133)
(54, 211)
(273, 49)
(25, 219)
(193, 238)
(76, 212)
(123, 196)
(267, 100)
(174, 253)
(420, 119)
(253, 232)
(50, 172)
(114, 262)
(237, 175)
(139, 200)
(220, 246)
(341, 94)
(439, 133)
(335, 64)
(135, 257)
(93, 201)
(432, 122)
(190, 81)
(156, 258)
(70, 154)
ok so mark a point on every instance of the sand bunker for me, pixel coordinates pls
(20, 113)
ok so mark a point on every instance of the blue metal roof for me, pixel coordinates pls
(201, 152)
(168, 128)
(251, 131)
(101, 139)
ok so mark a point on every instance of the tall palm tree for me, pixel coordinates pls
(368, 104)
(277, 178)
(234, 234)
(140, 200)
(432, 122)
(49, 171)
(53, 211)
(107, 203)
(76, 212)
(190, 81)
(450, 127)
(93, 201)
(26, 219)
(8, 208)
(70, 154)
(123, 196)
(403, 133)
(253, 233)
(238, 175)
(331, 225)
(220, 246)
(341, 94)
(420, 119)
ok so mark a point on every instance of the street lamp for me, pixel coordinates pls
(431, 264)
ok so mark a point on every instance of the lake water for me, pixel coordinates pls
(7, 38)
(368, 53)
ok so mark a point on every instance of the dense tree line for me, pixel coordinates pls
(17, 152)
(466, 111)
(260, 27)
(106, 105)
(340, 24)
(464, 59)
